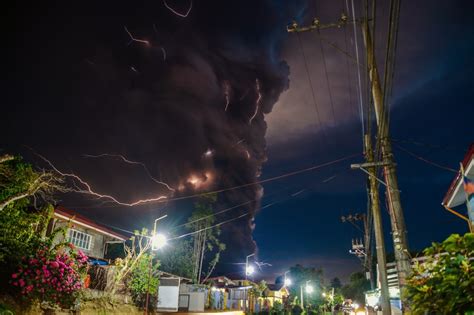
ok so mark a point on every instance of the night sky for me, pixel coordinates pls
(228, 79)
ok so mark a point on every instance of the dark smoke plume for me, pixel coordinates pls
(95, 92)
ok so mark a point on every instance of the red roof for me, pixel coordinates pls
(467, 158)
(80, 219)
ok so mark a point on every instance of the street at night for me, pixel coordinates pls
(237, 157)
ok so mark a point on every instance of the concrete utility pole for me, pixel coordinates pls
(393, 193)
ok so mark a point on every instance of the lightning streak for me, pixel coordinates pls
(162, 48)
(133, 39)
(89, 191)
(257, 103)
(226, 94)
(133, 163)
(176, 12)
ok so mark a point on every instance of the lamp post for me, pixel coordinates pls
(309, 289)
(157, 241)
(287, 281)
(248, 271)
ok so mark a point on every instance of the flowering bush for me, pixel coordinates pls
(53, 275)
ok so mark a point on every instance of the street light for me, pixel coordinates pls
(287, 281)
(157, 241)
(249, 269)
(309, 289)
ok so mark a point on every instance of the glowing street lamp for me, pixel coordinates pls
(158, 241)
(287, 281)
(249, 270)
(309, 289)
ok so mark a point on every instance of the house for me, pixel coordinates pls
(275, 292)
(88, 236)
(456, 197)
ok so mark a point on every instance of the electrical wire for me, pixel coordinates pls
(361, 111)
(270, 179)
(427, 145)
(426, 160)
(223, 222)
(316, 107)
(327, 79)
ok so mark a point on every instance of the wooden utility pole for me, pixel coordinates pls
(397, 219)
(366, 251)
(398, 225)
(378, 227)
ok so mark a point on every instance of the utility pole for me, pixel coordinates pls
(378, 228)
(393, 193)
(371, 165)
(365, 250)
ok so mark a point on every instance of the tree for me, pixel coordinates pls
(357, 287)
(299, 275)
(444, 283)
(205, 239)
(336, 283)
(178, 260)
(138, 246)
(140, 283)
(24, 210)
(256, 292)
(19, 182)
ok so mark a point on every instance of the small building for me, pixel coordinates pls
(455, 197)
(275, 293)
(85, 234)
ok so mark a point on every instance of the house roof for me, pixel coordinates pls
(455, 194)
(76, 218)
(220, 279)
(275, 286)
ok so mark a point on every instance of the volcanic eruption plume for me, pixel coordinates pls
(195, 118)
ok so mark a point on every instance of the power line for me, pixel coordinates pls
(318, 115)
(254, 200)
(431, 146)
(289, 174)
(426, 160)
(327, 79)
(223, 222)
(361, 110)
(272, 178)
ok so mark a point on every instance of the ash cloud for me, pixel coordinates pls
(87, 91)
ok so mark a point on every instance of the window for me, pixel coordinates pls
(80, 239)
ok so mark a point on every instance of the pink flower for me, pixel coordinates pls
(21, 282)
(14, 276)
(54, 264)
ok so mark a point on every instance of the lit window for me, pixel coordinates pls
(80, 239)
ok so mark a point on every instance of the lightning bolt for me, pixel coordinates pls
(162, 48)
(87, 190)
(124, 159)
(133, 39)
(247, 153)
(261, 264)
(257, 103)
(226, 94)
(176, 12)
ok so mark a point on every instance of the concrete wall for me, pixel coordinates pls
(97, 240)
